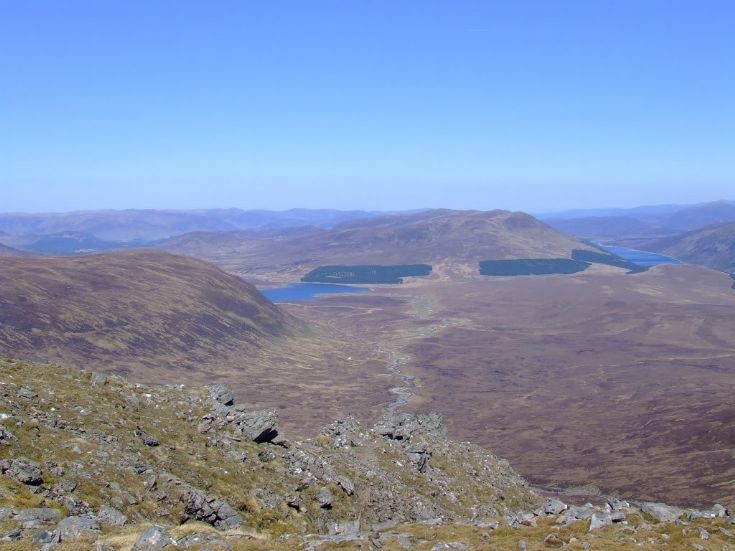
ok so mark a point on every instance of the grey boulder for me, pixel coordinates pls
(222, 394)
(554, 507)
(153, 539)
(72, 528)
(662, 512)
(110, 515)
(23, 470)
(210, 509)
(600, 520)
(258, 426)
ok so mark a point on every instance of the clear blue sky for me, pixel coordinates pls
(382, 104)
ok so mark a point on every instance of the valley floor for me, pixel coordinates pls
(623, 383)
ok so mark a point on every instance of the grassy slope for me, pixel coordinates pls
(131, 311)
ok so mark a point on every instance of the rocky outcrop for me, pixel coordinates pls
(259, 426)
(6, 437)
(210, 509)
(216, 463)
(23, 470)
(73, 528)
(662, 512)
(110, 515)
(221, 394)
(404, 426)
(153, 538)
(146, 438)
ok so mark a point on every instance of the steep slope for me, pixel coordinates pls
(435, 236)
(713, 246)
(94, 462)
(140, 310)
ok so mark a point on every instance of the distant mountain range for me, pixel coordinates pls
(628, 226)
(64, 233)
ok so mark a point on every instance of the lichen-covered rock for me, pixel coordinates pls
(153, 538)
(72, 528)
(146, 438)
(221, 394)
(110, 515)
(554, 507)
(600, 520)
(258, 426)
(344, 433)
(324, 498)
(23, 470)
(98, 379)
(6, 437)
(403, 426)
(210, 509)
(662, 512)
(346, 484)
(27, 393)
(419, 456)
(38, 514)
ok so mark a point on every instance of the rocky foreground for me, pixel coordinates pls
(90, 461)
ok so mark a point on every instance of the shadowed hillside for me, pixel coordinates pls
(713, 246)
(131, 311)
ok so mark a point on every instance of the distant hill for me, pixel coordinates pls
(641, 224)
(713, 246)
(136, 311)
(80, 243)
(10, 251)
(605, 227)
(428, 237)
(149, 225)
(700, 216)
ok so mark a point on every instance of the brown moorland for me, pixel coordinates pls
(623, 381)
(620, 381)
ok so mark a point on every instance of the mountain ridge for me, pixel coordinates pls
(432, 236)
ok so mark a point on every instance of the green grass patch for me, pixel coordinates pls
(532, 266)
(366, 274)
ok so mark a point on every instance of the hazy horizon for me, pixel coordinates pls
(381, 106)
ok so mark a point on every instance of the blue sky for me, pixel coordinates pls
(385, 104)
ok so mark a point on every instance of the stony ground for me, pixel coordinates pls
(91, 461)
